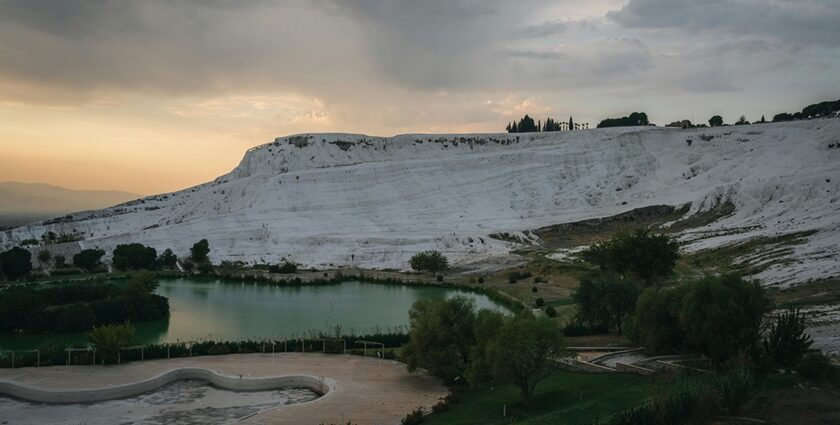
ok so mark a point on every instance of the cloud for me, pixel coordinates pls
(800, 21)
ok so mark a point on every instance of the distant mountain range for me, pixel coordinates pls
(21, 203)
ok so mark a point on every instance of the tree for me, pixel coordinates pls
(134, 256)
(634, 119)
(786, 342)
(527, 125)
(716, 121)
(571, 124)
(487, 325)
(430, 261)
(108, 339)
(44, 256)
(60, 261)
(523, 352)
(722, 316)
(88, 259)
(200, 250)
(16, 262)
(742, 121)
(641, 255)
(168, 258)
(442, 336)
(656, 322)
(605, 300)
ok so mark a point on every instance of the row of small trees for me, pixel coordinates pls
(527, 125)
(17, 262)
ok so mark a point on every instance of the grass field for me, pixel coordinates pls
(564, 397)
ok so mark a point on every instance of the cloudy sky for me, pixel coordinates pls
(152, 96)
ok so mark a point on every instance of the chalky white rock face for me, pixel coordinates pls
(342, 199)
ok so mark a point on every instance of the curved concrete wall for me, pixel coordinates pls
(234, 383)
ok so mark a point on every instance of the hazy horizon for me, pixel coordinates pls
(152, 97)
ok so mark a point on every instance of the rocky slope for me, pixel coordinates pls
(341, 199)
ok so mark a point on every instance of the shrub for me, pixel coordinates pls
(205, 268)
(550, 312)
(134, 256)
(534, 289)
(640, 255)
(439, 278)
(538, 279)
(218, 349)
(199, 251)
(786, 341)
(734, 387)
(168, 258)
(817, 367)
(481, 279)
(429, 261)
(16, 262)
(414, 418)
(516, 276)
(88, 259)
(60, 261)
(44, 256)
(577, 329)
(287, 267)
(539, 302)
(108, 339)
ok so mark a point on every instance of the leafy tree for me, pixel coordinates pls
(722, 315)
(742, 121)
(641, 255)
(168, 258)
(287, 267)
(527, 125)
(716, 121)
(786, 342)
(605, 300)
(88, 259)
(487, 325)
(430, 261)
(44, 256)
(108, 339)
(782, 117)
(656, 322)
(442, 336)
(134, 256)
(634, 119)
(200, 250)
(16, 262)
(523, 352)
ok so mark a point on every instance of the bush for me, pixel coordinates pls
(577, 329)
(481, 279)
(416, 417)
(108, 339)
(534, 289)
(516, 276)
(168, 258)
(439, 278)
(550, 312)
(734, 387)
(817, 367)
(287, 267)
(44, 256)
(88, 259)
(199, 251)
(16, 262)
(134, 256)
(640, 255)
(786, 341)
(429, 261)
(539, 302)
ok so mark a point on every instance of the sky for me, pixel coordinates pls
(155, 96)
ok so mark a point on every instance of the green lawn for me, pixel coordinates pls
(562, 398)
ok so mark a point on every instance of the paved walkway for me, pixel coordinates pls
(368, 391)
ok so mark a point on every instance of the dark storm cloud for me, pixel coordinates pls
(800, 21)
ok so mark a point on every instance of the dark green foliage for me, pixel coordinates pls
(551, 312)
(722, 316)
(516, 276)
(716, 121)
(577, 329)
(742, 121)
(168, 258)
(786, 342)
(88, 259)
(416, 417)
(539, 302)
(442, 336)
(634, 119)
(199, 251)
(74, 307)
(108, 339)
(287, 267)
(429, 261)
(16, 262)
(134, 256)
(782, 117)
(605, 300)
(734, 387)
(44, 256)
(656, 321)
(551, 125)
(821, 109)
(522, 352)
(525, 125)
(60, 261)
(641, 255)
(817, 367)
(487, 325)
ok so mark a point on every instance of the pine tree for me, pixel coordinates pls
(571, 124)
